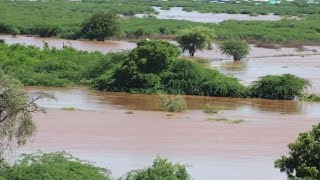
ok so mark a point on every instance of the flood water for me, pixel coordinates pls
(102, 131)
(178, 14)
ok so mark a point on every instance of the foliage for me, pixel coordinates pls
(16, 124)
(141, 69)
(47, 30)
(101, 25)
(53, 67)
(303, 159)
(160, 169)
(199, 38)
(172, 103)
(58, 165)
(310, 97)
(285, 86)
(237, 49)
(210, 109)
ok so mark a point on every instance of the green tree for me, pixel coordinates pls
(236, 48)
(160, 169)
(286, 86)
(198, 38)
(304, 157)
(101, 25)
(16, 124)
(58, 165)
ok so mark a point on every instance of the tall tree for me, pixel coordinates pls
(198, 38)
(101, 25)
(16, 124)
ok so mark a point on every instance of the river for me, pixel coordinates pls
(177, 13)
(101, 130)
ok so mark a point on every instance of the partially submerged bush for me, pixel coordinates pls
(210, 109)
(161, 169)
(235, 48)
(286, 86)
(311, 97)
(58, 165)
(172, 103)
(303, 159)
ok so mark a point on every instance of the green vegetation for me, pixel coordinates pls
(64, 19)
(101, 25)
(53, 67)
(172, 103)
(225, 120)
(311, 97)
(58, 165)
(194, 39)
(68, 109)
(210, 109)
(285, 86)
(303, 159)
(235, 48)
(129, 112)
(160, 169)
(16, 125)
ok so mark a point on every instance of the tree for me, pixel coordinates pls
(304, 157)
(199, 38)
(286, 86)
(101, 25)
(236, 48)
(16, 124)
(160, 169)
(59, 165)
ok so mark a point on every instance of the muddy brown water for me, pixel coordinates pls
(104, 133)
(177, 13)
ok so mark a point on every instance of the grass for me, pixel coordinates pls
(311, 97)
(210, 109)
(225, 120)
(169, 115)
(129, 112)
(68, 109)
(172, 103)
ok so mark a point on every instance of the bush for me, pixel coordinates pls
(161, 169)
(46, 30)
(210, 109)
(53, 166)
(172, 103)
(237, 49)
(101, 25)
(303, 159)
(285, 86)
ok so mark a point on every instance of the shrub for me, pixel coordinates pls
(53, 166)
(303, 159)
(101, 25)
(286, 86)
(160, 169)
(237, 49)
(46, 30)
(210, 109)
(311, 97)
(172, 103)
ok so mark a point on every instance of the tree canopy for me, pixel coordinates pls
(286, 86)
(194, 39)
(304, 157)
(16, 124)
(236, 48)
(101, 25)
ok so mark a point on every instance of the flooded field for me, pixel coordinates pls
(177, 13)
(103, 132)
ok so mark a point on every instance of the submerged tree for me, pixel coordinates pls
(198, 38)
(16, 124)
(101, 25)
(286, 86)
(304, 157)
(235, 48)
(160, 169)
